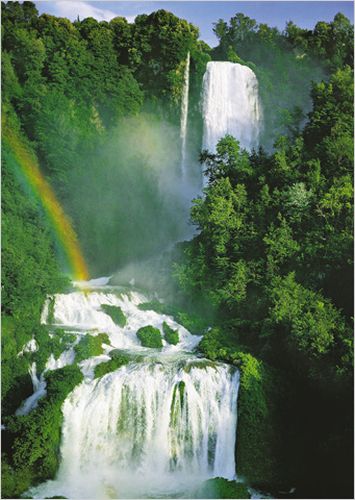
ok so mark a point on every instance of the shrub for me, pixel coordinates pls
(219, 487)
(115, 313)
(90, 346)
(118, 359)
(150, 336)
(170, 335)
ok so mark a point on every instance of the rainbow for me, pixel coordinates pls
(63, 229)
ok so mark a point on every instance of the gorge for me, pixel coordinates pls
(166, 421)
(177, 245)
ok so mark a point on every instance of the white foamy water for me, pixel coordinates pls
(157, 426)
(230, 105)
(82, 310)
(96, 282)
(39, 390)
(30, 346)
(39, 383)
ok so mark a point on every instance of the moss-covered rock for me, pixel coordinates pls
(133, 356)
(150, 336)
(178, 391)
(155, 305)
(50, 340)
(193, 323)
(117, 360)
(176, 407)
(170, 335)
(115, 313)
(51, 305)
(56, 497)
(220, 487)
(201, 364)
(90, 346)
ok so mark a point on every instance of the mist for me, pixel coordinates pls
(285, 92)
(129, 198)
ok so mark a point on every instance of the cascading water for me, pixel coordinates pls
(184, 115)
(39, 390)
(230, 105)
(158, 426)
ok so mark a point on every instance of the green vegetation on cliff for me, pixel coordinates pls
(30, 271)
(261, 389)
(273, 259)
(271, 263)
(34, 439)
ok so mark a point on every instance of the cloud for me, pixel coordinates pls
(73, 9)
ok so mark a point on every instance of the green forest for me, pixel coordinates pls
(270, 268)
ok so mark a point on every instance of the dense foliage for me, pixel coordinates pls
(220, 487)
(275, 242)
(29, 272)
(34, 439)
(101, 104)
(271, 266)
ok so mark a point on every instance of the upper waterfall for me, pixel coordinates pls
(184, 114)
(230, 105)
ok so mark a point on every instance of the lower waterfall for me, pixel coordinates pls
(156, 427)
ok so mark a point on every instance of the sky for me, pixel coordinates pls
(204, 13)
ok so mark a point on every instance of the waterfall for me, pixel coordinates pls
(39, 384)
(230, 105)
(157, 426)
(39, 390)
(184, 115)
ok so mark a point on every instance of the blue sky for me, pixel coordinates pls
(204, 13)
